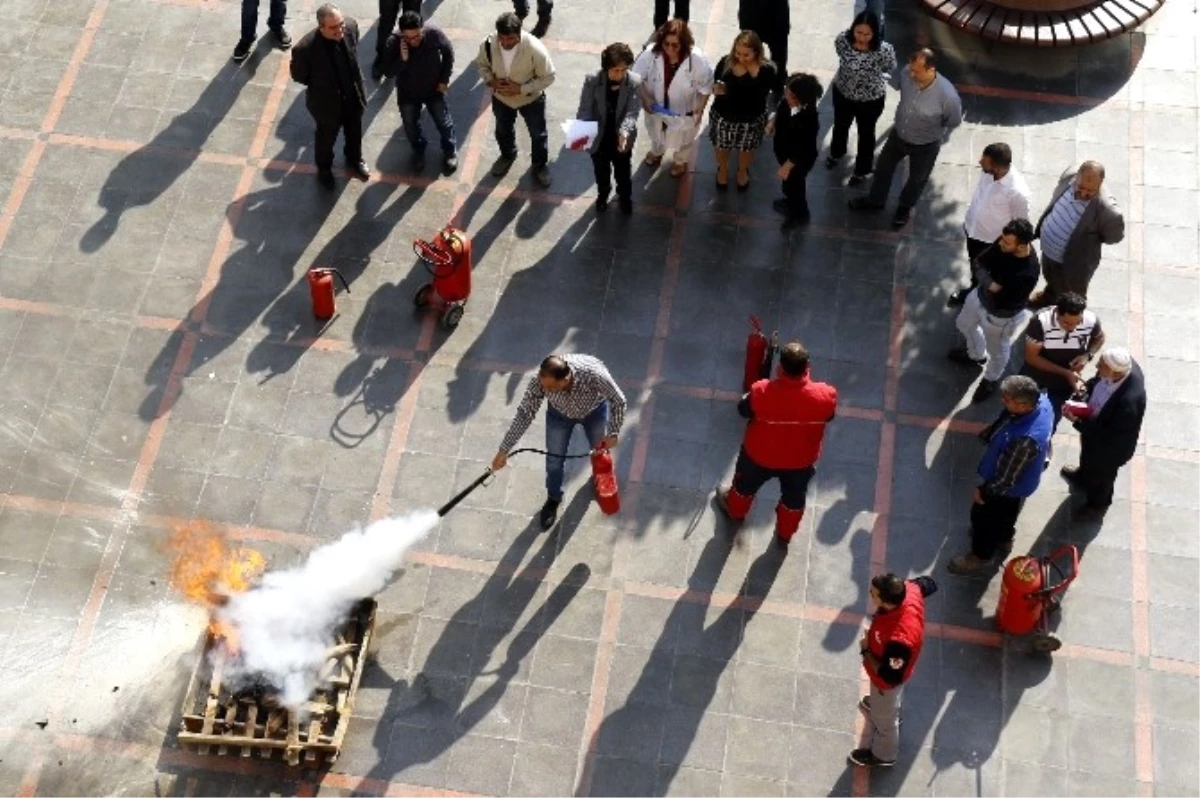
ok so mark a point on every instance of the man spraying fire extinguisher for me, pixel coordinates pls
(580, 391)
(787, 417)
(890, 649)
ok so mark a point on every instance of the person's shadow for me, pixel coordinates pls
(425, 716)
(145, 174)
(634, 729)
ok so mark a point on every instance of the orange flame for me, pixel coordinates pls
(207, 570)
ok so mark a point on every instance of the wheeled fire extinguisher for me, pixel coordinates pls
(320, 285)
(760, 354)
(448, 259)
(1030, 588)
(604, 480)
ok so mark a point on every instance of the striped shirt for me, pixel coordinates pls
(1060, 223)
(591, 384)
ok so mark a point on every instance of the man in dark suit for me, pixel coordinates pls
(1108, 428)
(326, 61)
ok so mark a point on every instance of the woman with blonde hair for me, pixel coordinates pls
(676, 84)
(744, 81)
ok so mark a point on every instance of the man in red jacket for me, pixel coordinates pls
(787, 416)
(890, 649)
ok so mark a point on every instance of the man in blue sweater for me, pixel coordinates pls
(423, 60)
(1010, 470)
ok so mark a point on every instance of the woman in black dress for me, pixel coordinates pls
(744, 82)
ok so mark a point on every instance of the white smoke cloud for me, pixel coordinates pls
(287, 622)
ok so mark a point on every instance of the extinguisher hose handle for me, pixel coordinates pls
(345, 284)
(532, 450)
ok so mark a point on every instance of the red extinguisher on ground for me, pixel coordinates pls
(760, 354)
(448, 260)
(1031, 586)
(604, 480)
(320, 285)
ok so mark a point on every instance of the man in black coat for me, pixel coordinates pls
(326, 61)
(795, 129)
(1108, 427)
(772, 21)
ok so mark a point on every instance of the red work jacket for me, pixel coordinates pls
(788, 421)
(904, 624)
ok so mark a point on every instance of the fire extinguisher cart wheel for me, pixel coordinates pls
(1045, 642)
(424, 296)
(452, 315)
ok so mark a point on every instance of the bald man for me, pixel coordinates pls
(1108, 429)
(1081, 217)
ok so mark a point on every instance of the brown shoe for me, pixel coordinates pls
(968, 565)
(678, 169)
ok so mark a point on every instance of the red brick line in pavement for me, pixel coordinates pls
(406, 408)
(1135, 230)
(24, 178)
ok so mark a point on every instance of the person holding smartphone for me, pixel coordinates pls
(424, 62)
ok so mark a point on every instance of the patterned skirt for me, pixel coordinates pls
(728, 135)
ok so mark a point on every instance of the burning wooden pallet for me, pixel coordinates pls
(252, 720)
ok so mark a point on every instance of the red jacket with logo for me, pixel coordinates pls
(904, 626)
(787, 421)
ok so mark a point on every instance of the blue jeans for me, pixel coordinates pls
(410, 115)
(558, 438)
(534, 115)
(250, 17)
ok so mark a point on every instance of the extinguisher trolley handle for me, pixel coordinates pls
(755, 324)
(1054, 562)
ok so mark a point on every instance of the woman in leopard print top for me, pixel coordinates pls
(859, 88)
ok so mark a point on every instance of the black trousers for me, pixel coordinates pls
(749, 476)
(793, 190)
(608, 163)
(544, 8)
(993, 524)
(389, 12)
(975, 248)
(662, 11)
(777, 42)
(1097, 482)
(921, 158)
(863, 114)
(350, 125)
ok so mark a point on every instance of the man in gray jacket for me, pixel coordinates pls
(516, 66)
(1081, 217)
(929, 109)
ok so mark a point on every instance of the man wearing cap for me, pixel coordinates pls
(1108, 429)
(1010, 471)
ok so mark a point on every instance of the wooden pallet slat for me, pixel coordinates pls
(246, 722)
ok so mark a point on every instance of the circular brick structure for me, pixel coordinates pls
(1044, 23)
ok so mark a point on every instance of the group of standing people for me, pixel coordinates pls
(670, 85)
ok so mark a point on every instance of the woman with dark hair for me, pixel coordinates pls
(795, 128)
(859, 89)
(610, 98)
(676, 84)
(744, 82)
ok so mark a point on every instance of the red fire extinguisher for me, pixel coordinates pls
(320, 285)
(604, 479)
(1029, 586)
(760, 354)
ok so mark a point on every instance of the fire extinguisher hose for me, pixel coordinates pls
(483, 478)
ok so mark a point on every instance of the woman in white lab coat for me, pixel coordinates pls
(677, 83)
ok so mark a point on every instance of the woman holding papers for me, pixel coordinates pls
(676, 85)
(610, 98)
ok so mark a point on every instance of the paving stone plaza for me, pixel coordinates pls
(161, 365)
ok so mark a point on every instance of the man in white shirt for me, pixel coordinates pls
(1000, 196)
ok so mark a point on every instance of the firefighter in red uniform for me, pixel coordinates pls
(787, 416)
(890, 649)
